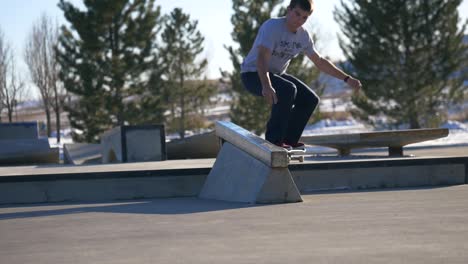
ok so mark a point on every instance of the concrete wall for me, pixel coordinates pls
(23, 130)
(111, 146)
(200, 146)
(145, 144)
(134, 144)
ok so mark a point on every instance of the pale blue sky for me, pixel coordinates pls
(18, 16)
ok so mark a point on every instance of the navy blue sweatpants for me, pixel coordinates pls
(289, 116)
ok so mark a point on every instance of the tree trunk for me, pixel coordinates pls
(182, 117)
(49, 127)
(413, 118)
(9, 106)
(182, 106)
(10, 115)
(57, 120)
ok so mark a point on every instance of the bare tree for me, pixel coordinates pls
(14, 90)
(4, 53)
(40, 56)
(11, 84)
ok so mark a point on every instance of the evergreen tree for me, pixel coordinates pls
(248, 111)
(107, 58)
(405, 53)
(182, 46)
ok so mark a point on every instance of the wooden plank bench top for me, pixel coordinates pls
(394, 140)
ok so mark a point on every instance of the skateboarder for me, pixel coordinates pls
(263, 73)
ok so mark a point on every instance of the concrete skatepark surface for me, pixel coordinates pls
(426, 225)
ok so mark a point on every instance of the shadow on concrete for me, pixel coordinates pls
(172, 206)
(338, 191)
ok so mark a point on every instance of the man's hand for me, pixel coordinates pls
(270, 95)
(355, 84)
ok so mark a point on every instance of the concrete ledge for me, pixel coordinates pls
(380, 174)
(273, 156)
(101, 186)
(35, 184)
(100, 189)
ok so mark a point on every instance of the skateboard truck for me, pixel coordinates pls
(296, 154)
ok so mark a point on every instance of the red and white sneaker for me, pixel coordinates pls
(297, 145)
(284, 145)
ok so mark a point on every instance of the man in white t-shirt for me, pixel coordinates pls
(263, 73)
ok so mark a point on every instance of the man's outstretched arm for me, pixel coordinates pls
(329, 68)
(263, 60)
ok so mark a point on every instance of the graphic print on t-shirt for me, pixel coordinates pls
(286, 49)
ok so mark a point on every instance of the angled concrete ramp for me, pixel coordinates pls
(249, 169)
(82, 153)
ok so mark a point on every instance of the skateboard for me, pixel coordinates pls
(296, 154)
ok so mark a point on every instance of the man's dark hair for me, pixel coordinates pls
(305, 5)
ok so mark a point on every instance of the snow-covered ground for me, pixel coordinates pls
(458, 135)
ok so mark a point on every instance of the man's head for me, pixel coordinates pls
(298, 12)
(306, 5)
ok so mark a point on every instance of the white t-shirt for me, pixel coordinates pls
(284, 44)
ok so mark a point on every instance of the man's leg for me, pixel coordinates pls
(286, 92)
(277, 126)
(304, 105)
(252, 83)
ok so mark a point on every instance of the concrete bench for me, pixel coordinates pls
(249, 169)
(393, 140)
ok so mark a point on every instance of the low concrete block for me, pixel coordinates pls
(81, 153)
(236, 176)
(134, 144)
(23, 130)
